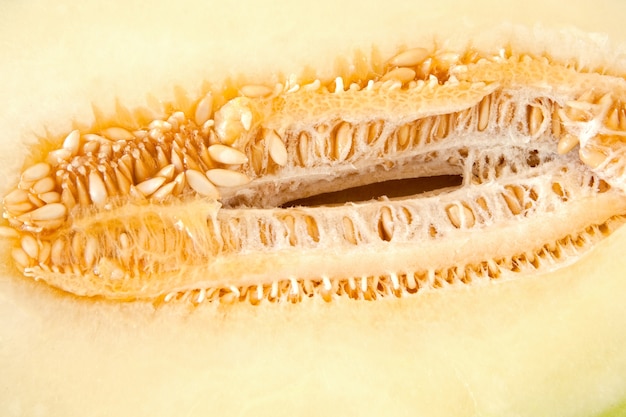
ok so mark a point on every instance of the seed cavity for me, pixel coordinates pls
(356, 187)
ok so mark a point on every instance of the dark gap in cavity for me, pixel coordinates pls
(391, 189)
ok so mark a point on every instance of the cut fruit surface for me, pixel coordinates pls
(489, 282)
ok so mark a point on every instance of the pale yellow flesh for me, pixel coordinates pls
(531, 347)
(542, 345)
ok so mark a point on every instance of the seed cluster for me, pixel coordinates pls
(108, 211)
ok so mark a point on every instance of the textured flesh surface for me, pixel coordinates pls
(527, 332)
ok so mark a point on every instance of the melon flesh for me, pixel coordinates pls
(544, 344)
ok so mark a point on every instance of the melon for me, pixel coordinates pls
(192, 221)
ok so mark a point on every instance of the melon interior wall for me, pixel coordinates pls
(543, 345)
